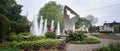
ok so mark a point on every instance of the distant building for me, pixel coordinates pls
(83, 28)
(110, 27)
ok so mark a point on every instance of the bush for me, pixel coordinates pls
(110, 47)
(9, 49)
(92, 41)
(86, 41)
(32, 38)
(50, 34)
(52, 43)
(75, 42)
(99, 35)
(14, 37)
(7, 26)
(76, 36)
(20, 37)
(25, 33)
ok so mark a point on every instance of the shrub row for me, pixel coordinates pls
(51, 43)
(86, 41)
(24, 36)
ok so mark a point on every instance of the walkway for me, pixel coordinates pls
(89, 47)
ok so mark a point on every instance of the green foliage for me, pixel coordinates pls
(4, 26)
(37, 43)
(14, 37)
(104, 48)
(7, 26)
(76, 36)
(92, 41)
(82, 21)
(110, 47)
(32, 38)
(9, 49)
(23, 20)
(25, 33)
(24, 37)
(86, 41)
(50, 34)
(15, 27)
(98, 35)
(10, 9)
(52, 11)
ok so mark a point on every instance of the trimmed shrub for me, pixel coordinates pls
(92, 41)
(76, 36)
(50, 34)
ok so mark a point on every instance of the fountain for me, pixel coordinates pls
(34, 27)
(58, 29)
(45, 26)
(52, 25)
(40, 30)
(69, 23)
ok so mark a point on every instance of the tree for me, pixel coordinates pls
(10, 9)
(82, 21)
(92, 21)
(23, 20)
(52, 11)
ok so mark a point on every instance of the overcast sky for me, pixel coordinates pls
(104, 10)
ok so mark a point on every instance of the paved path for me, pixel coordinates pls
(89, 47)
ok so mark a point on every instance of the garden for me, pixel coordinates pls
(27, 42)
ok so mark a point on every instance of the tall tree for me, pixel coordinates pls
(52, 11)
(92, 21)
(10, 9)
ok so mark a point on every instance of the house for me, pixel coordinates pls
(110, 27)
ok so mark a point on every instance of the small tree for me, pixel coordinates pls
(92, 20)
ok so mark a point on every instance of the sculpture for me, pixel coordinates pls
(69, 24)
